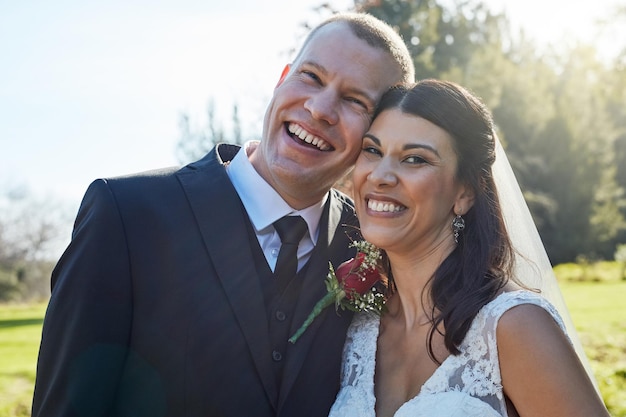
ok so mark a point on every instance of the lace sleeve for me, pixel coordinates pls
(356, 396)
(476, 370)
(358, 354)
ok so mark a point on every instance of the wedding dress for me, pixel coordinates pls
(464, 385)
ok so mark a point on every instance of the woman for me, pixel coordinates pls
(461, 336)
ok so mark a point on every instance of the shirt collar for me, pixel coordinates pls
(263, 204)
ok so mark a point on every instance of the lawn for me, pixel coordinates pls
(598, 312)
(20, 333)
(597, 309)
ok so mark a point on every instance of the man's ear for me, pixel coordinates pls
(283, 75)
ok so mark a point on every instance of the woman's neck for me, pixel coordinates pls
(412, 274)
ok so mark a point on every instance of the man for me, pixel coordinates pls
(166, 303)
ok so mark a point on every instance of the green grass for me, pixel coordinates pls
(20, 333)
(598, 313)
(597, 310)
(601, 271)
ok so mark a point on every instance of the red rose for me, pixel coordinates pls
(356, 277)
(351, 286)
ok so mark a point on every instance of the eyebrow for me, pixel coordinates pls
(407, 146)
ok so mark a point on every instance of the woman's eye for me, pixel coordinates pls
(415, 159)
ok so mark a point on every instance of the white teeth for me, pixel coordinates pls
(307, 137)
(383, 206)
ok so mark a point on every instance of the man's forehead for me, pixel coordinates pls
(327, 36)
(334, 49)
(333, 42)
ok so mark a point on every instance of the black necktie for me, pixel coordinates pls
(290, 229)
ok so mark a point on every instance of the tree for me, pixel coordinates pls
(558, 118)
(31, 239)
(193, 144)
(440, 38)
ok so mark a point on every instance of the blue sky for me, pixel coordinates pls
(93, 89)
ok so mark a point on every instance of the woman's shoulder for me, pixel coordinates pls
(517, 310)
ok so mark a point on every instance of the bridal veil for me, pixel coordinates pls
(532, 266)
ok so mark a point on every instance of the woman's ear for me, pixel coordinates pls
(283, 75)
(464, 200)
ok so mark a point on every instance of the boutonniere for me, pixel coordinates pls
(351, 286)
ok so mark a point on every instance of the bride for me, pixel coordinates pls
(462, 334)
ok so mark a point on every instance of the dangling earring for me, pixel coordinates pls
(458, 224)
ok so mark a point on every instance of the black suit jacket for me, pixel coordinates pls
(157, 310)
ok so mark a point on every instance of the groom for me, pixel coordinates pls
(165, 303)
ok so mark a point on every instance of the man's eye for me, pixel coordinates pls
(358, 102)
(312, 76)
(371, 150)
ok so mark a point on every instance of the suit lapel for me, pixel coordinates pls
(220, 214)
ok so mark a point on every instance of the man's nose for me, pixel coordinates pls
(323, 105)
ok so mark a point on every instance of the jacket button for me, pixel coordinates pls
(280, 316)
(277, 356)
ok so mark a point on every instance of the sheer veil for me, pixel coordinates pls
(532, 266)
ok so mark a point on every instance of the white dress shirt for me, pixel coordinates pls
(264, 206)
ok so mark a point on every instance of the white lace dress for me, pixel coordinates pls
(467, 385)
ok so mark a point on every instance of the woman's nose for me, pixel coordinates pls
(383, 174)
